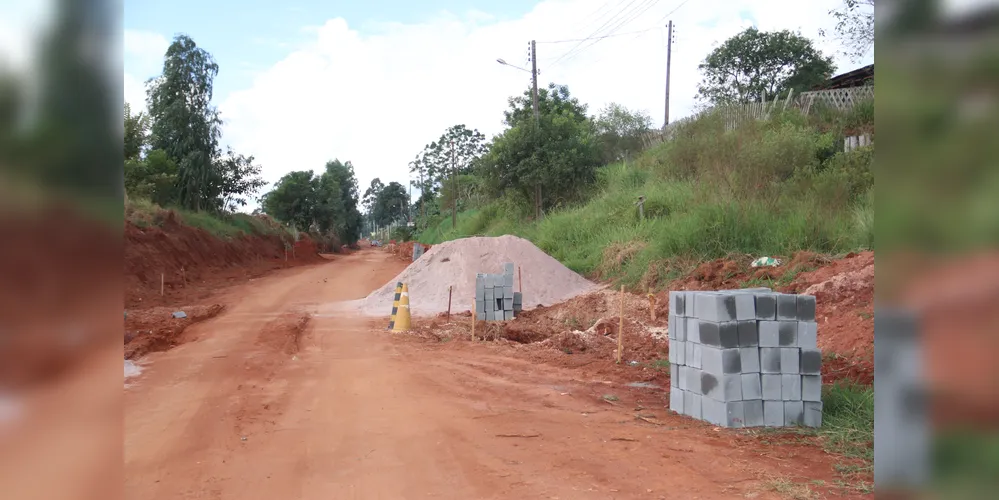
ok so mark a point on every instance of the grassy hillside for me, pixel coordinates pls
(766, 188)
(143, 213)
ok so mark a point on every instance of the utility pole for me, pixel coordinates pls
(537, 119)
(454, 190)
(669, 57)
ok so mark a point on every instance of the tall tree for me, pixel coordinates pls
(391, 204)
(239, 178)
(454, 152)
(185, 123)
(754, 64)
(337, 202)
(620, 131)
(371, 194)
(136, 130)
(559, 152)
(855, 27)
(293, 199)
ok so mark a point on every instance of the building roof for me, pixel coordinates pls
(855, 78)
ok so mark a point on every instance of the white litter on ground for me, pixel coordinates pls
(455, 263)
(131, 369)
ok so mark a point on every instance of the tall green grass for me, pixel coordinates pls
(766, 188)
(144, 213)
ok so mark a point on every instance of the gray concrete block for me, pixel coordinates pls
(490, 295)
(480, 306)
(508, 304)
(693, 330)
(499, 304)
(771, 385)
(745, 306)
(749, 335)
(692, 405)
(689, 304)
(724, 334)
(677, 303)
(811, 362)
(806, 307)
(712, 412)
(499, 292)
(681, 326)
(751, 386)
(790, 360)
(481, 316)
(480, 284)
(671, 326)
(769, 333)
(720, 361)
(811, 388)
(508, 268)
(794, 413)
(715, 307)
(773, 413)
(749, 357)
(787, 333)
(684, 381)
(508, 291)
(766, 306)
(508, 314)
(676, 400)
(790, 387)
(508, 280)
(721, 387)
(518, 298)
(808, 334)
(671, 355)
(812, 414)
(787, 307)
(681, 353)
(695, 355)
(769, 360)
(735, 415)
(753, 411)
(674, 376)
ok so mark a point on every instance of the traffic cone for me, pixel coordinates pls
(402, 318)
(395, 305)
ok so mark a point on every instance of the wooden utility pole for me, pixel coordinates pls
(454, 190)
(669, 57)
(537, 119)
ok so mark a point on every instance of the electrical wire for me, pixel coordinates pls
(595, 32)
(600, 37)
(631, 16)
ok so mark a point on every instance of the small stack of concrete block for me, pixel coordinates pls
(745, 358)
(495, 299)
(418, 250)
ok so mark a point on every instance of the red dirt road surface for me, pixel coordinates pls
(278, 398)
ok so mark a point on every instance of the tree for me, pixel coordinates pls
(559, 151)
(620, 131)
(454, 152)
(185, 124)
(391, 204)
(855, 27)
(337, 198)
(755, 64)
(371, 194)
(293, 199)
(136, 130)
(152, 177)
(238, 179)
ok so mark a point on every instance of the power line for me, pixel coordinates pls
(670, 13)
(601, 37)
(629, 17)
(595, 32)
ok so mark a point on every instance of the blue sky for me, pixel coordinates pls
(306, 81)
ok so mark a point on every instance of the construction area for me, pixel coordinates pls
(299, 378)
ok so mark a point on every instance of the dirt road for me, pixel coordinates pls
(278, 398)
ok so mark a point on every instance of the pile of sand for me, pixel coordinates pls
(455, 263)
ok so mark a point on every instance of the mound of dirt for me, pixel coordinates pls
(155, 329)
(455, 263)
(192, 262)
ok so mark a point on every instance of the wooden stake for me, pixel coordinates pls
(474, 317)
(620, 330)
(162, 280)
(520, 283)
(652, 306)
(449, 303)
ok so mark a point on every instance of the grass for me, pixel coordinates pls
(790, 489)
(766, 188)
(848, 421)
(144, 213)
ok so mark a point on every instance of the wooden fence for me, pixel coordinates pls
(734, 114)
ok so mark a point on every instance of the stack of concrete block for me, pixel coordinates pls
(495, 299)
(745, 358)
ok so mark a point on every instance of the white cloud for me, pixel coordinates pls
(143, 53)
(376, 97)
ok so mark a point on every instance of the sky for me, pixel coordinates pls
(306, 81)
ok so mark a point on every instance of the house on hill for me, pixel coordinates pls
(856, 78)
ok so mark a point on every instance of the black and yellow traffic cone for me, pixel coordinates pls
(402, 317)
(395, 305)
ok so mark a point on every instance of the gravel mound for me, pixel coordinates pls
(455, 263)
